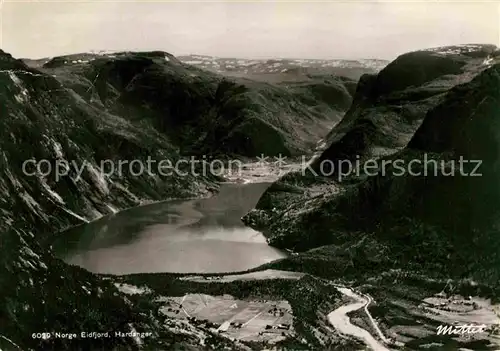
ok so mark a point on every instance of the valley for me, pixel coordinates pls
(269, 257)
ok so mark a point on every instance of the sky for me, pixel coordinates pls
(250, 29)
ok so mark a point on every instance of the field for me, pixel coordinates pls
(246, 320)
(415, 322)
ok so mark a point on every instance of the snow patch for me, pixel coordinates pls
(98, 178)
(111, 208)
(57, 148)
(198, 57)
(83, 219)
(23, 94)
(33, 205)
(135, 336)
(55, 196)
(28, 252)
(26, 263)
(193, 62)
(488, 61)
(15, 79)
(131, 289)
(456, 49)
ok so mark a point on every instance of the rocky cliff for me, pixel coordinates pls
(47, 122)
(203, 112)
(435, 108)
(77, 135)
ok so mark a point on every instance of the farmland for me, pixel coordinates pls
(245, 320)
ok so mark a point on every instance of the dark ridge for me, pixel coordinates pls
(414, 69)
(441, 219)
(457, 125)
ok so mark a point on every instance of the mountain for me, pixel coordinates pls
(203, 112)
(390, 106)
(404, 189)
(77, 135)
(38, 109)
(46, 121)
(284, 69)
(387, 123)
(403, 239)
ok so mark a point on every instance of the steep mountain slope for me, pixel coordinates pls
(39, 111)
(202, 112)
(46, 122)
(389, 107)
(77, 135)
(435, 212)
(416, 226)
(83, 110)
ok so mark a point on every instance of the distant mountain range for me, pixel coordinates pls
(283, 66)
(285, 69)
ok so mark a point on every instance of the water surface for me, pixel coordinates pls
(202, 235)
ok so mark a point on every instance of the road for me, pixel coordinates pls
(340, 321)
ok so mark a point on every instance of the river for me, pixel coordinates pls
(185, 236)
(341, 321)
